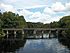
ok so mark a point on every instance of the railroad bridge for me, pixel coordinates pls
(33, 30)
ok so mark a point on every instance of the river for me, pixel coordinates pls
(43, 46)
(35, 46)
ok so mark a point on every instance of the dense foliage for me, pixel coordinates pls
(34, 25)
(65, 22)
(11, 20)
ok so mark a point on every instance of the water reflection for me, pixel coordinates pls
(7, 46)
(43, 46)
(65, 41)
(40, 36)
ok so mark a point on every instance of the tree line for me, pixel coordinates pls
(64, 22)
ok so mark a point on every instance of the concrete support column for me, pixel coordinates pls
(42, 33)
(34, 33)
(22, 34)
(7, 33)
(49, 33)
(15, 33)
(57, 33)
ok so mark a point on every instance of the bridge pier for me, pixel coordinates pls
(57, 33)
(42, 34)
(34, 32)
(15, 34)
(7, 33)
(22, 34)
(49, 34)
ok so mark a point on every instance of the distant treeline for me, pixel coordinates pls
(64, 22)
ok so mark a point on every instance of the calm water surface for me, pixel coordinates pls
(43, 46)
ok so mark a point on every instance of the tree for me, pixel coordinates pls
(65, 23)
(54, 24)
(34, 25)
(12, 20)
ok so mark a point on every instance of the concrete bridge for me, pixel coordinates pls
(34, 30)
(46, 29)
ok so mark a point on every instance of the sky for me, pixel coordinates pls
(44, 11)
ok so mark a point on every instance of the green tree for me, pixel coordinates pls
(65, 23)
(54, 24)
(12, 20)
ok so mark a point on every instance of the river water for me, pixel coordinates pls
(36, 46)
(43, 46)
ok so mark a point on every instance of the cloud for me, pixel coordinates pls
(40, 17)
(35, 15)
(36, 6)
(57, 7)
(48, 10)
(24, 12)
(48, 19)
(44, 18)
(12, 1)
(46, 13)
(67, 6)
(7, 7)
(8, 1)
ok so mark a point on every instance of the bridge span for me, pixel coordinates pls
(33, 30)
(46, 29)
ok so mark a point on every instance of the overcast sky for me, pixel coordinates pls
(44, 11)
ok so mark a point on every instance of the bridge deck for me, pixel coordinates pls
(12, 29)
(36, 29)
(12, 39)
